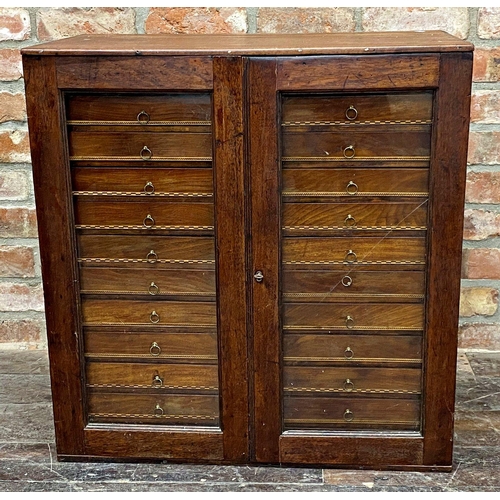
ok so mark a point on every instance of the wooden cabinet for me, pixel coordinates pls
(251, 244)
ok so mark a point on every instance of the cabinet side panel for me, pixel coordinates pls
(54, 213)
(447, 188)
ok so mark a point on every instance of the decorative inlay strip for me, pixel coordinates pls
(143, 386)
(142, 292)
(357, 263)
(353, 228)
(351, 360)
(343, 193)
(138, 124)
(344, 422)
(357, 123)
(142, 194)
(155, 417)
(354, 159)
(364, 391)
(353, 295)
(149, 228)
(170, 325)
(343, 327)
(148, 356)
(137, 261)
(139, 159)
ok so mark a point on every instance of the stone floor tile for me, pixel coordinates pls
(485, 364)
(26, 389)
(24, 362)
(26, 422)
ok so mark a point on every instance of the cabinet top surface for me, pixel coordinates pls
(254, 44)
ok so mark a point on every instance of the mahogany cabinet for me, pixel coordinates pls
(251, 244)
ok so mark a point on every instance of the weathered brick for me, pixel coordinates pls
(478, 301)
(11, 67)
(305, 20)
(18, 222)
(14, 24)
(16, 262)
(454, 20)
(70, 21)
(481, 224)
(13, 185)
(485, 106)
(14, 331)
(20, 297)
(481, 263)
(479, 336)
(484, 148)
(197, 20)
(488, 22)
(486, 64)
(14, 146)
(483, 187)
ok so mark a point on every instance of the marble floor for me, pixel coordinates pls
(28, 459)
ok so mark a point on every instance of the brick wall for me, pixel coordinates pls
(21, 300)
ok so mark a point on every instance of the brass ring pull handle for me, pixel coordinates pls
(348, 385)
(144, 117)
(158, 411)
(351, 188)
(348, 416)
(258, 276)
(149, 188)
(148, 221)
(157, 381)
(351, 113)
(348, 353)
(154, 317)
(155, 349)
(350, 257)
(153, 289)
(151, 257)
(349, 322)
(146, 153)
(349, 221)
(346, 281)
(349, 152)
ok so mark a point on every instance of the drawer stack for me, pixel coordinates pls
(141, 169)
(354, 199)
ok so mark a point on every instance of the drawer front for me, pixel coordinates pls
(166, 409)
(152, 250)
(143, 312)
(146, 109)
(353, 316)
(351, 413)
(348, 349)
(146, 182)
(355, 182)
(354, 216)
(191, 347)
(102, 213)
(161, 377)
(147, 281)
(358, 108)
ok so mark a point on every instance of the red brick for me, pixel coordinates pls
(20, 297)
(196, 20)
(481, 263)
(14, 146)
(483, 187)
(479, 336)
(14, 331)
(488, 22)
(17, 262)
(14, 24)
(481, 224)
(478, 301)
(18, 222)
(305, 20)
(486, 64)
(454, 20)
(484, 148)
(13, 185)
(53, 24)
(485, 106)
(11, 67)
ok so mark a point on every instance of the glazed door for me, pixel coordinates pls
(342, 281)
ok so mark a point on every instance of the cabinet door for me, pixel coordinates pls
(357, 173)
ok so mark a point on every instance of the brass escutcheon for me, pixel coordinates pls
(350, 256)
(155, 349)
(348, 415)
(349, 152)
(149, 188)
(146, 153)
(351, 188)
(158, 411)
(346, 281)
(148, 221)
(348, 353)
(152, 257)
(153, 289)
(154, 317)
(348, 385)
(349, 322)
(157, 381)
(351, 113)
(143, 117)
(349, 221)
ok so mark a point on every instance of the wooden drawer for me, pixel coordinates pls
(353, 380)
(362, 142)
(353, 316)
(357, 108)
(147, 182)
(350, 413)
(311, 285)
(188, 347)
(152, 250)
(148, 281)
(349, 349)
(166, 409)
(298, 217)
(140, 109)
(355, 182)
(133, 213)
(144, 312)
(138, 146)
(353, 250)
(162, 377)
